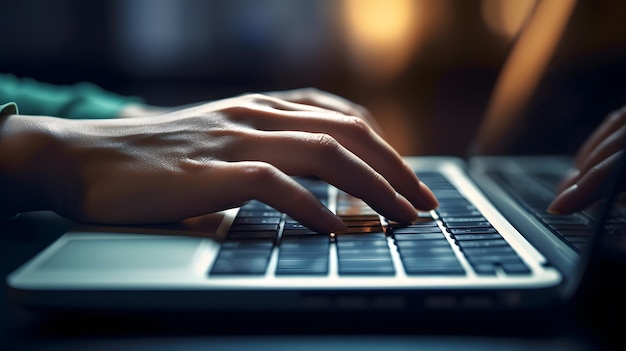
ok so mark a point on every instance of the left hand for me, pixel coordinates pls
(594, 162)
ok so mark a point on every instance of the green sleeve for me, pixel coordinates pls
(78, 101)
(5, 110)
(8, 109)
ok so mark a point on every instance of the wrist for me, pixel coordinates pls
(27, 149)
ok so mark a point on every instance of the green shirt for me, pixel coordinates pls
(78, 101)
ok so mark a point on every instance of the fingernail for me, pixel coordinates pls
(569, 177)
(331, 221)
(427, 200)
(562, 202)
(409, 213)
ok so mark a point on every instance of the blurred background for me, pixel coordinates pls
(538, 75)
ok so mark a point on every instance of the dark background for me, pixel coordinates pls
(428, 83)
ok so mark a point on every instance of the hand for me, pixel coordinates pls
(598, 156)
(204, 159)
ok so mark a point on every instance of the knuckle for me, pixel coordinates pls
(310, 91)
(357, 125)
(259, 174)
(324, 142)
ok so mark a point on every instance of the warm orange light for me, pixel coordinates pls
(506, 17)
(382, 35)
(522, 72)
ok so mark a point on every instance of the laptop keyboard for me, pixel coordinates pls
(436, 244)
(534, 194)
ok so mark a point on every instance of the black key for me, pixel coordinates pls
(302, 232)
(360, 218)
(570, 226)
(406, 244)
(472, 231)
(248, 244)
(479, 251)
(515, 268)
(256, 220)
(447, 265)
(243, 254)
(465, 219)
(302, 254)
(369, 266)
(482, 243)
(244, 266)
(272, 234)
(358, 244)
(460, 213)
(416, 230)
(253, 227)
(461, 225)
(426, 252)
(360, 230)
(485, 269)
(495, 259)
(360, 236)
(461, 237)
(364, 252)
(304, 246)
(419, 236)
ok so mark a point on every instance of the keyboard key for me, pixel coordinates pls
(239, 266)
(482, 243)
(462, 237)
(472, 231)
(515, 268)
(302, 266)
(419, 236)
(412, 244)
(468, 224)
(270, 234)
(253, 227)
(412, 230)
(366, 266)
(340, 237)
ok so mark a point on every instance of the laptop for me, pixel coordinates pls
(480, 250)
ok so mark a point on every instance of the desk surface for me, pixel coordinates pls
(25, 236)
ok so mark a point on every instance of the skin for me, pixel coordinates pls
(164, 166)
(593, 164)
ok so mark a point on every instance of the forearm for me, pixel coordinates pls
(27, 147)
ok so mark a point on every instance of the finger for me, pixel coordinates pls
(329, 101)
(356, 136)
(301, 153)
(609, 145)
(613, 122)
(587, 189)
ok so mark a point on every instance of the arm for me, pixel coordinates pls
(204, 159)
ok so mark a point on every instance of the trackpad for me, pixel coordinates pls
(147, 253)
